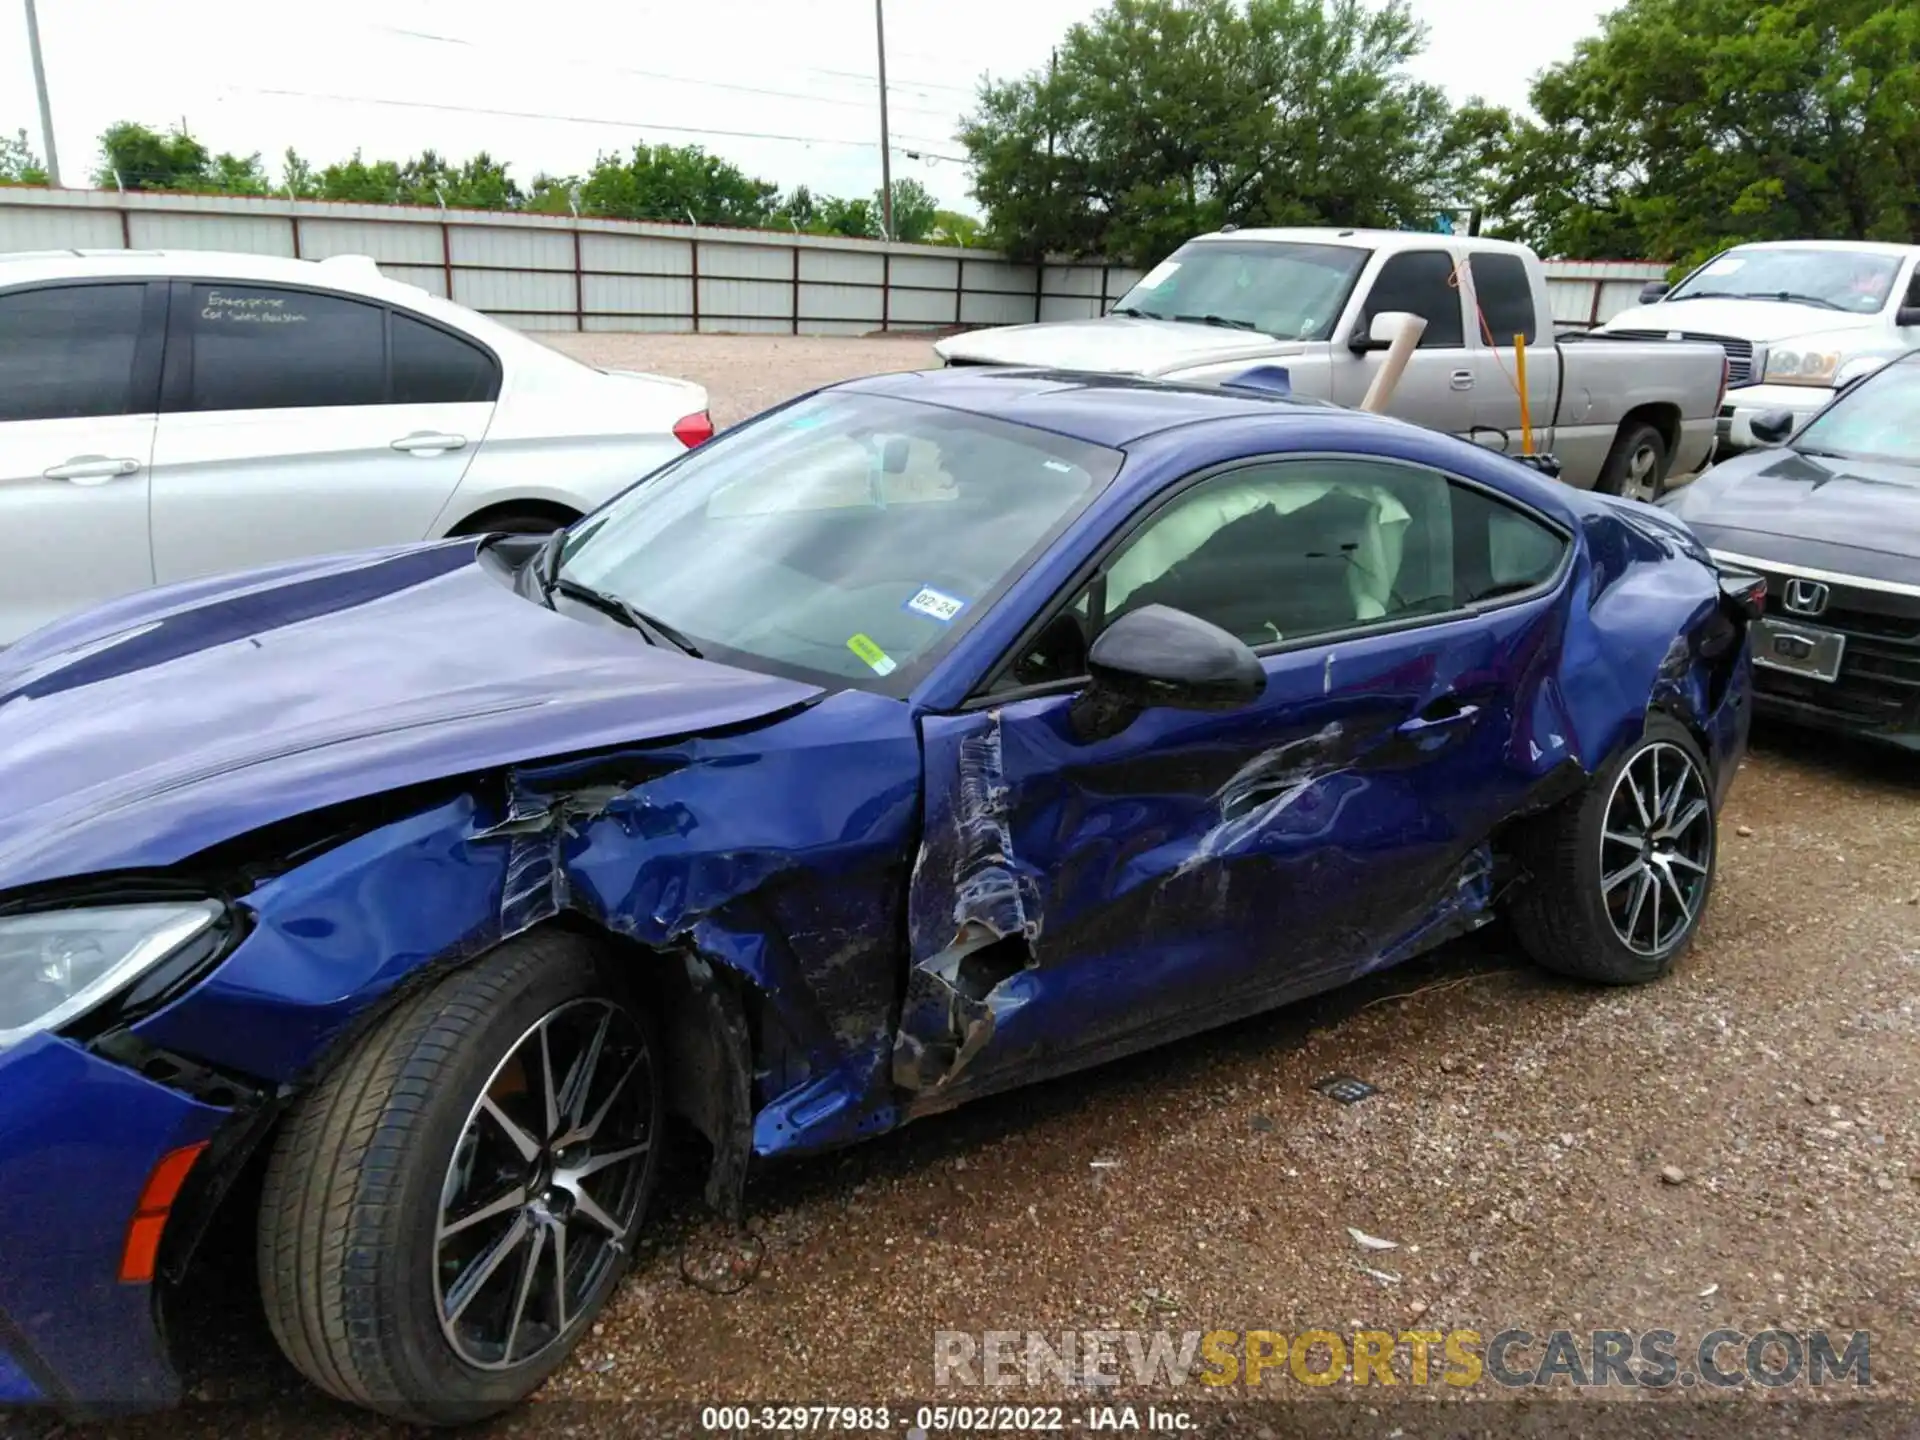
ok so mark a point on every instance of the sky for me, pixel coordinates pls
(548, 86)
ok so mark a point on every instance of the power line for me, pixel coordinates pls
(899, 83)
(574, 119)
(670, 79)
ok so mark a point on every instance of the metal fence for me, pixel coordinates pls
(542, 272)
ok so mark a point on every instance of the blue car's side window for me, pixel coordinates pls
(1293, 549)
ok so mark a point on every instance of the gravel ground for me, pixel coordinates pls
(1736, 1146)
(744, 374)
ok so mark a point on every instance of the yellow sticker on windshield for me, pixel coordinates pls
(881, 662)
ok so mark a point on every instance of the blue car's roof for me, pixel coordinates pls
(1110, 410)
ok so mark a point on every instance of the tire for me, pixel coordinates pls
(356, 1273)
(1569, 916)
(1636, 467)
(513, 522)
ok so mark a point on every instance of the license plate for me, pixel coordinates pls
(1798, 649)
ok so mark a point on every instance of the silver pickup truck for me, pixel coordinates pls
(1618, 414)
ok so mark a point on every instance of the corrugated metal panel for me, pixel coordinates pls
(661, 296)
(839, 302)
(499, 246)
(743, 327)
(744, 297)
(672, 325)
(996, 275)
(1618, 296)
(1641, 270)
(1571, 300)
(430, 278)
(251, 234)
(513, 290)
(631, 255)
(1069, 307)
(1071, 280)
(746, 261)
(995, 309)
(391, 243)
(845, 266)
(940, 274)
(39, 228)
(923, 307)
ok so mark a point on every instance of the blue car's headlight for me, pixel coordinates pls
(57, 964)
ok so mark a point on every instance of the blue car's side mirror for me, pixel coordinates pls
(1157, 655)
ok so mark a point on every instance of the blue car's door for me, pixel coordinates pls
(1074, 900)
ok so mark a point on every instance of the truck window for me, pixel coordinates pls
(1501, 286)
(1420, 282)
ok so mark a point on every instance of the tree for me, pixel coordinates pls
(913, 210)
(1163, 118)
(552, 195)
(136, 158)
(1689, 125)
(677, 182)
(296, 176)
(799, 210)
(858, 218)
(377, 183)
(950, 227)
(18, 164)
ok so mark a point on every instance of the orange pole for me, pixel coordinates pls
(1520, 376)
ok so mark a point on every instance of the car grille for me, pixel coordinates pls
(1879, 684)
(1739, 352)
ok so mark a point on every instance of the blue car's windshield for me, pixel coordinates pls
(847, 536)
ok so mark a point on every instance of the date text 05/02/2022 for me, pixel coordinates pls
(919, 1422)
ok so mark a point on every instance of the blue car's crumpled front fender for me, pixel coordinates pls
(775, 856)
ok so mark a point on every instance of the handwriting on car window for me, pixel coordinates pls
(249, 309)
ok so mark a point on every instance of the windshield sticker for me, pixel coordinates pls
(1725, 265)
(878, 659)
(1060, 465)
(934, 605)
(1159, 275)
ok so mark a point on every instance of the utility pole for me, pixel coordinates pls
(886, 149)
(46, 106)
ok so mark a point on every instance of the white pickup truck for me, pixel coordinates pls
(1799, 319)
(1618, 414)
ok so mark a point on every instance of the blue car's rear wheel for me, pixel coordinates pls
(1619, 876)
(450, 1207)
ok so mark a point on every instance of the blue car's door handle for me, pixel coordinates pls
(1439, 716)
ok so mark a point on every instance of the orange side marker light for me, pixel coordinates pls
(149, 1223)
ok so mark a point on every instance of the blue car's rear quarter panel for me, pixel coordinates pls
(78, 1139)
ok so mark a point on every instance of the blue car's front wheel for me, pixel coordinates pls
(450, 1207)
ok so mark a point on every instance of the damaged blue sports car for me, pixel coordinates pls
(926, 736)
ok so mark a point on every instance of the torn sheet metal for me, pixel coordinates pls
(795, 891)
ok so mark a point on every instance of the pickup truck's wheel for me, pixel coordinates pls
(449, 1208)
(1637, 465)
(1621, 873)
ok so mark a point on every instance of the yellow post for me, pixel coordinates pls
(1520, 377)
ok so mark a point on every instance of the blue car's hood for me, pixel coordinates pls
(144, 732)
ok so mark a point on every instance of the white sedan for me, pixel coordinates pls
(168, 415)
